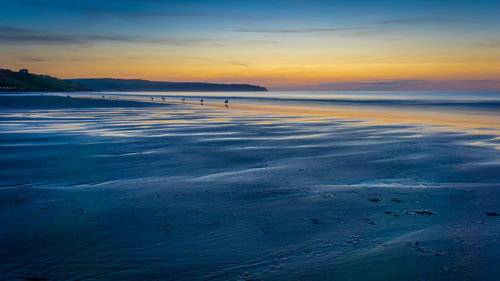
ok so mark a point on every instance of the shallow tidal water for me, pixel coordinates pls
(276, 189)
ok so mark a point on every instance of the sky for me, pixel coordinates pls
(283, 45)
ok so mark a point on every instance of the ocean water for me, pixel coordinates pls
(273, 186)
(483, 99)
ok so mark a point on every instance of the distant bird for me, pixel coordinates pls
(201, 101)
(152, 98)
(183, 99)
(226, 101)
(103, 97)
(162, 98)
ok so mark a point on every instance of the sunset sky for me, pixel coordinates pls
(283, 45)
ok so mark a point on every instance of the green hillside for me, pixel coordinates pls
(17, 81)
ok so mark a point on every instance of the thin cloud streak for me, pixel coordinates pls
(15, 35)
(299, 30)
(355, 30)
(401, 85)
(375, 84)
(214, 61)
(417, 21)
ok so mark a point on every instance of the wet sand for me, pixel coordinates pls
(111, 190)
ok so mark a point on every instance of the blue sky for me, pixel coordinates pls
(282, 44)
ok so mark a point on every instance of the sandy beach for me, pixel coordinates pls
(113, 189)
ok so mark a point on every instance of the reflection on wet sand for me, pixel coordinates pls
(128, 190)
(464, 120)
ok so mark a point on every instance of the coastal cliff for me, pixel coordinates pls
(24, 81)
(136, 85)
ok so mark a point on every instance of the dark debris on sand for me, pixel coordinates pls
(422, 212)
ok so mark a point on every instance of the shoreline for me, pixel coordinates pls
(473, 122)
(389, 115)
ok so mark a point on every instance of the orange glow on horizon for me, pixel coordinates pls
(278, 66)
